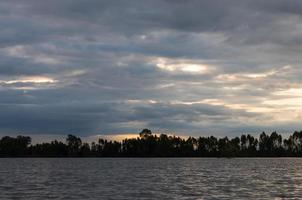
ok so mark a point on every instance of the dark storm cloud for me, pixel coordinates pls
(190, 67)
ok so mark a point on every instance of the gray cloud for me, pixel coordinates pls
(189, 67)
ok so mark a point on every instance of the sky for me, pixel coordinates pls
(186, 67)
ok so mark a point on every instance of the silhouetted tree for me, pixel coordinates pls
(252, 146)
(145, 133)
(14, 146)
(74, 144)
(264, 144)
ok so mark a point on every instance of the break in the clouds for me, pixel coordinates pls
(187, 67)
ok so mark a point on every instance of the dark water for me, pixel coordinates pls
(155, 178)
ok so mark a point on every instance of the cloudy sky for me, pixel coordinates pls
(189, 67)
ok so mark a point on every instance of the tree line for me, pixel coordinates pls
(152, 145)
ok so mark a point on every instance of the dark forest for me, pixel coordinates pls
(152, 145)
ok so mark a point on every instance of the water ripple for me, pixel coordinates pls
(153, 178)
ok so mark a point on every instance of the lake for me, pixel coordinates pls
(150, 178)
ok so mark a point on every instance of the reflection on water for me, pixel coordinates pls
(153, 178)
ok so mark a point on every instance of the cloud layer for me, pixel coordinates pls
(187, 67)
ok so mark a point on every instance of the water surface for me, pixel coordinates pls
(150, 178)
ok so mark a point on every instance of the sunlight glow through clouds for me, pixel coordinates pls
(289, 98)
(243, 76)
(286, 102)
(29, 82)
(30, 79)
(290, 92)
(257, 76)
(186, 66)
